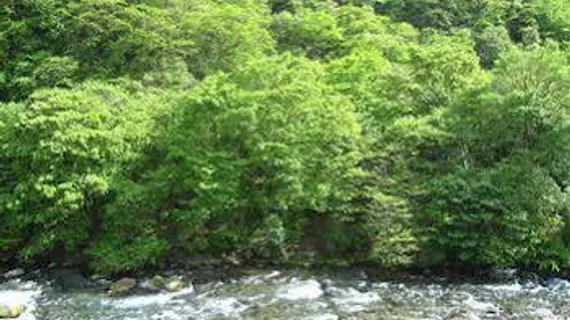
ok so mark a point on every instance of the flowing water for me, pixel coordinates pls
(300, 295)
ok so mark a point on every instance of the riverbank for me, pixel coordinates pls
(210, 268)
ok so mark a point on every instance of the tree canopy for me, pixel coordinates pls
(423, 133)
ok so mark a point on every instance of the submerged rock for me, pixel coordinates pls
(301, 290)
(351, 300)
(122, 286)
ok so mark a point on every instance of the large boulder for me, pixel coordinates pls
(122, 286)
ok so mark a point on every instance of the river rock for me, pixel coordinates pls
(122, 286)
(14, 273)
(158, 282)
(153, 285)
(174, 285)
(11, 311)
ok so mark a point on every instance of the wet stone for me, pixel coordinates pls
(122, 286)
(174, 285)
(14, 273)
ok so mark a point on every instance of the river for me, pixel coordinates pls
(299, 295)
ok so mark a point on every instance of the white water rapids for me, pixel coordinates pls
(300, 295)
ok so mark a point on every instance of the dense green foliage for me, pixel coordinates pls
(418, 132)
